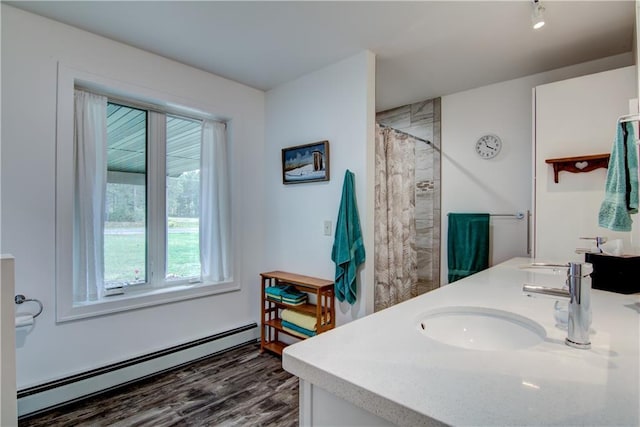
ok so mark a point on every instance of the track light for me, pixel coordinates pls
(537, 15)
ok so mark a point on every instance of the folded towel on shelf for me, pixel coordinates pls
(621, 188)
(294, 302)
(306, 321)
(291, 327)
(295, 333)
(293, 294)
(278, 290)
(468, 244)
(285, 293)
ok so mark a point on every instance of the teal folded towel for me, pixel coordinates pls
(468, 244)
(284, 291)
(297, 328)
(293, 294)
(294, 301)
(278, 290)
(348, 248)
(293, 297)
(621, 188)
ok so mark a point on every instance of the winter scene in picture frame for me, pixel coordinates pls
(305, 163)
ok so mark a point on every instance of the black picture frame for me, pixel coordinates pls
(305, 163)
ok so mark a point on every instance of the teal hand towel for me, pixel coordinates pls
(621, 188)
(468, 244)
(348, 248)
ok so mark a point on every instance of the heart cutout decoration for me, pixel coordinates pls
(582, 165)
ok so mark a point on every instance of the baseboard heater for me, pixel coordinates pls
(38, 399)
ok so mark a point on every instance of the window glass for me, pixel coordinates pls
(183, 198)
(125, 230)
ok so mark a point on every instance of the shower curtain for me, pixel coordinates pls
(396, 266)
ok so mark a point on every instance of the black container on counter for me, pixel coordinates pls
(619, 274)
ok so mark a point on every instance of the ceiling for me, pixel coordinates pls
(423, 49)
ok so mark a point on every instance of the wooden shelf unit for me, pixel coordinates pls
(323, 309)
(578, 164)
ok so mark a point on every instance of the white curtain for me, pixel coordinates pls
(90, 184)
(215, 221)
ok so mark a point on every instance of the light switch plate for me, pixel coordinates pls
(327, 228)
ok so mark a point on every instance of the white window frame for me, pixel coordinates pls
(136, 296)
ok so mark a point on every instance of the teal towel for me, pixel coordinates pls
(278, 290)
(295, 301)
(468, 244)
(293, 294)
(297, 328)
(286, 301)
(621, 188)
(284, 291)
(348, 247)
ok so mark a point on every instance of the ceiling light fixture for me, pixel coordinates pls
(537, 15)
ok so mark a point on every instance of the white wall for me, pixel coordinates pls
(334, 104)
(504, 184)
(31, 47)
(576, 117)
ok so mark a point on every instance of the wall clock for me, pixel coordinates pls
(488, 146)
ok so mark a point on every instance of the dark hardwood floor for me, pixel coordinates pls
(240, 387)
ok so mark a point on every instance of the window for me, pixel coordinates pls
(127, 261)
(142, 199)
(125, 228)
(183, 198)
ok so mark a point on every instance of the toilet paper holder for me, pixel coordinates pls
(20, 299)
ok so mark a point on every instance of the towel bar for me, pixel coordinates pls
(517, 215)
(20, 299)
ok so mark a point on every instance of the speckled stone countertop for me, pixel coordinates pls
(383, 364)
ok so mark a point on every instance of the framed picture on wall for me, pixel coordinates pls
(305, 163)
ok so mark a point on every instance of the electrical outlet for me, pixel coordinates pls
(327, 228)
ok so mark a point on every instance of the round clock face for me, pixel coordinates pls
(488, 146)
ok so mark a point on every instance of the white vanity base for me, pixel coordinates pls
(318, 407)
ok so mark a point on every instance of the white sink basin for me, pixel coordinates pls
(478, 328)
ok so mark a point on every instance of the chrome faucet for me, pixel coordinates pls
(599, 241)
(579, 296)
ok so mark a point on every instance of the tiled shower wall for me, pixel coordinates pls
(422, 119)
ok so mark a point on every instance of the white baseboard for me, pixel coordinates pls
(57, 393)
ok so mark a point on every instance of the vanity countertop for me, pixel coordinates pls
(383, 364)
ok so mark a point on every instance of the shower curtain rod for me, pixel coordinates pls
(405, 133)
